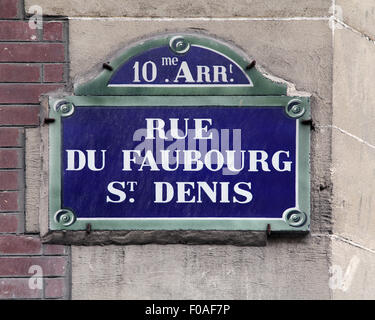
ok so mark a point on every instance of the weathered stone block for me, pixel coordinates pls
(353, 272)
(296, 51)
(33, 167)
(353, 177)
(359, 14)
(353, 84)
(190, 8)
(294, 268)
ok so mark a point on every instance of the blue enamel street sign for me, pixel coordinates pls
(158, 159)
(162, 66)
(125, 174)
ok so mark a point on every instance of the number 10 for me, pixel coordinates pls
(145, 71)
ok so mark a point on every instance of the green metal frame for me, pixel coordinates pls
(303, 176)
(264, 93)
(262, 85)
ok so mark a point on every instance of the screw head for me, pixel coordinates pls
(179, 45)
(65, 108)
(295, 109)
(295, 218)
(65, 217)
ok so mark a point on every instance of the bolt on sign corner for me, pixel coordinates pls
(180, 132)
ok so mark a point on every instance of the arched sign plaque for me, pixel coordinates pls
(179, 132)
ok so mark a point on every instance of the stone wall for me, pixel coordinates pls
(353, 153)
(296, 49)
(292, 40)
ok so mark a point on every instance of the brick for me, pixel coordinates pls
(24, 93)
(10, 137)
(32, 52)
(18, 289)
(19, 244)
(10, 159)
(9, 180)
(9, 202)
(9, 222)
(53, 31)
(19, 115)
(19, 73)
(8, 9)
(17, 30)
(53, 249)
(54, 288)
(20, 266)
(53, 73)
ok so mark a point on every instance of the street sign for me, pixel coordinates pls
(180, 133)
(180, 64)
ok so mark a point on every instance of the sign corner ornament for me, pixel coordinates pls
(180, 132)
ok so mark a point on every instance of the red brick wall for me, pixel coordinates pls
(32, 62)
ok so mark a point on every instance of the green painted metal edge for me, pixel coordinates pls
(254, 224)
(262, 85)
